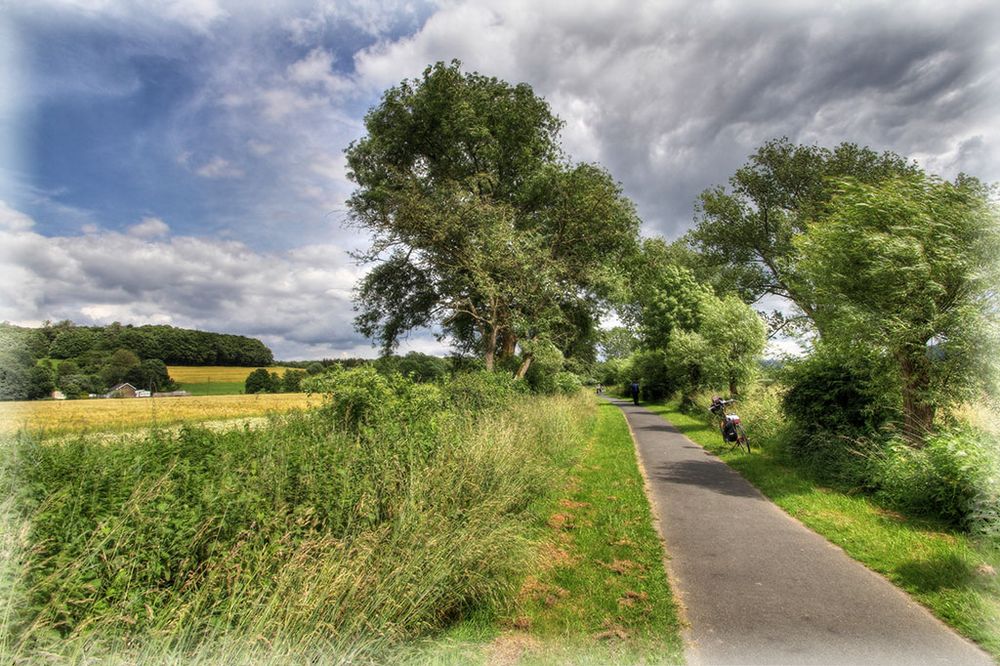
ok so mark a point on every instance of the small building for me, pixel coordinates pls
(58, 395)
(124, 390)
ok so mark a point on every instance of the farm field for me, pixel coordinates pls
(60, 417)
(214, 379)
(210, 374)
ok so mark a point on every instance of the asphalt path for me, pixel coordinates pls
(758, 587)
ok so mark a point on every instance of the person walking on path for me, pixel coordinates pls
(634, 389)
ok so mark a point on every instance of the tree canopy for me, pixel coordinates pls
(480, 227)
(906, 265)
(748, 229)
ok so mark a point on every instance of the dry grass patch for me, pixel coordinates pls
(59, 417)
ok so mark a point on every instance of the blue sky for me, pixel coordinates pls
(182, 162)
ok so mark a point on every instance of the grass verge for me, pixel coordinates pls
(950, 573)
(599, 593)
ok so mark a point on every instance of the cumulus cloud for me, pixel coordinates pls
(298, 302)
(149, 227)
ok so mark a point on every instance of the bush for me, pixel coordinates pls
(482, 390)
(258, 381)
(956, 476)
(837, 409)
(567, 383)
(649, 368)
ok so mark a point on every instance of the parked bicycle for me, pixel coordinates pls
(729, 424)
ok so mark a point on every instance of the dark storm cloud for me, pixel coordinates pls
(673, 97)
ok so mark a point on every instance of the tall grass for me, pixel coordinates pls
(309, 539)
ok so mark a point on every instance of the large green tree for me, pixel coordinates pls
(480, 227)
(748, 229)
(908, 269)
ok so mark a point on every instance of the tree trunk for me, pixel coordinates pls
(525, 364)
(508, 344)
(732, 387)
(491, 348)
(918, 412)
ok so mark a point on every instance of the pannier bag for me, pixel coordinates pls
(729, 430)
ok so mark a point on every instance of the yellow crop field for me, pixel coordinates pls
(99, 415)
(205, 374)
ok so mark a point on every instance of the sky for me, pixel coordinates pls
(182, 162)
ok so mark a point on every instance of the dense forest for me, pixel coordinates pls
(79, 360)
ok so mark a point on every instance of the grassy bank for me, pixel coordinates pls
(302, 540)
(598, 591)
(602, 595)
(950, 573)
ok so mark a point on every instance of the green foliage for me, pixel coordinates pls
(669, 299)
(566, 383)
(478, 224)
(840, 395)
(259, 381)
(343, 535)
(735, 337)
(617, 343)
(120, 365)
(956, 476)
(547, 360)
(479, 391)
(650, 369)
(748, 230)
(899, 264)
(40, 383)
(418, 367)
(291, 381)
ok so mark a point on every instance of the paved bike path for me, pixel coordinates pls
(758, 587)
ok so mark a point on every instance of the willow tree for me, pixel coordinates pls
(480, 227)
(907, 269)
(748, 229)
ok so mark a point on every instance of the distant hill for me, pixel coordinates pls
(79, 360)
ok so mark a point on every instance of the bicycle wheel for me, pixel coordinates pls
(741, 437)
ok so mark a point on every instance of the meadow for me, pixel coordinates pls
(62, 417)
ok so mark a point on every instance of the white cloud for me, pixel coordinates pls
(149, 227)
(14, 220)
(299, 301)
(219, 167)
(316, 69)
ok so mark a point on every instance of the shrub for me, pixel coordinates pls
(956, 476)
(482, 390)
(258, 381)
(837, 408)
(567, 383)
(649, 368)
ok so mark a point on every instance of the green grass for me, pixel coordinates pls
(947, 571)
(213, 388)
(599, 593)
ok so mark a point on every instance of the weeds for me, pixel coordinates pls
(316, 537)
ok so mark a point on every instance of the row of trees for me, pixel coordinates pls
(883, 264)
(484, 231)
(174, 346)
